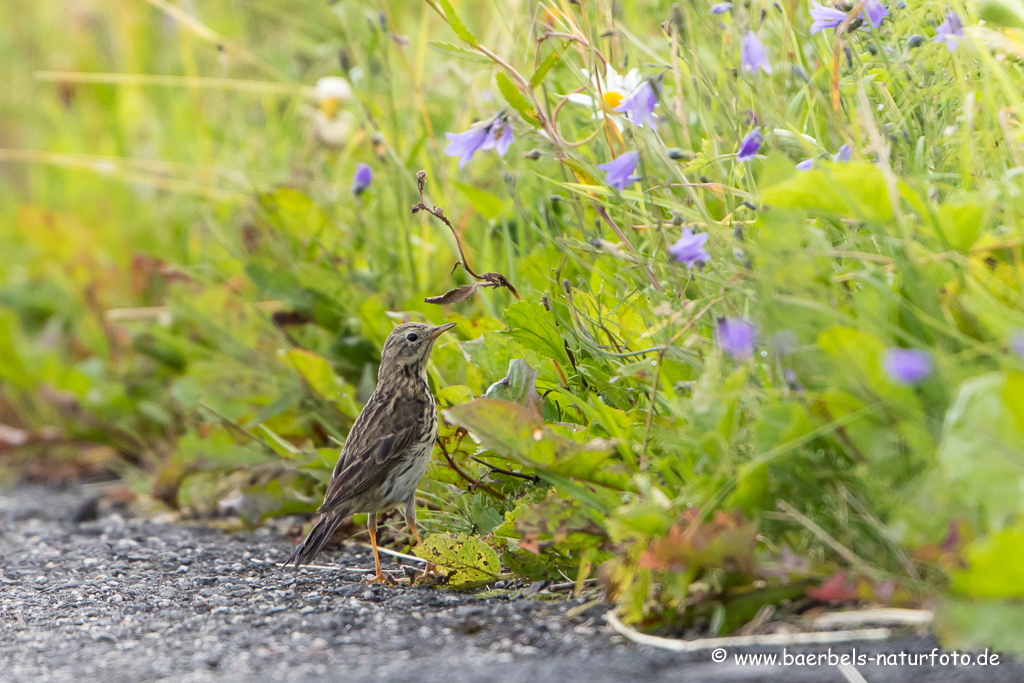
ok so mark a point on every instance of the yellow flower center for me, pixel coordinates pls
(330, 106)
(613, 98)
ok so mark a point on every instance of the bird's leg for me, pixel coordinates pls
(380, 576)
(410, 521)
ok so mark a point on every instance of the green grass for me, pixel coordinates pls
(188, 282)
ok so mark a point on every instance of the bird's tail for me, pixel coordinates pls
(316, 540)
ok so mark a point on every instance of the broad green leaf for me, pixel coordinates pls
(486, 204)
(855, 190)
(454, 395)
(516, 99)
(533, 327)
(995, 566)
(517, 433)
(982, 450)
(464, 559)
(316, 370)
(456, 24)
(962, 223)
(1002, 12)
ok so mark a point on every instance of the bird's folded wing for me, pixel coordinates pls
(365, 463)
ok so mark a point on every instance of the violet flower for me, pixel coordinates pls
(690, 248)
(640, 105)
(721, 8)
(907, 366)
(362, 179)
(876, 12)
(621, 169)
(752, 54)
(1017, 343)
(464, 145)
(737, 337)
(494, 134)
(825, 17)
(843, 155)
(950, 31)
(806, 165)
(749, 146)
(499, 138)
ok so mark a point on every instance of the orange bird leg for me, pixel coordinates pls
(380, 576)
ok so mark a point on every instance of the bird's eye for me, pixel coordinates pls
(412, 336)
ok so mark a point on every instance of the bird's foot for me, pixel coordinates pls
(379, 577)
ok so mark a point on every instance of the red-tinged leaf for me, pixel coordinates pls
(727, 542)
(838, 588)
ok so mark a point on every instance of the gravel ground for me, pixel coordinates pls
(118, 599)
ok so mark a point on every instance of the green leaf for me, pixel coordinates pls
(854, 190)
(962, 223)
(456, 24)
(486, 204)
(457, 51)
(554, 58)
(516, 99)
(517, 433)
(1013, 399)
(995, 566)
(1002, 12)
(464, 559)
(982, 450)
(455, 394)
(533, 327)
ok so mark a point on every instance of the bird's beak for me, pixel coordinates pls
(439, 330)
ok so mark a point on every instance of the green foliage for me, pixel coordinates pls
(464, 560)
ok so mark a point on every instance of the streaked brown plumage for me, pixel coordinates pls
(387, 451)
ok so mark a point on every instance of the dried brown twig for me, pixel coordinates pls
(483, 280)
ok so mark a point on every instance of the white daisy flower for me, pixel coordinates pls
(332, 125)
(614, 89)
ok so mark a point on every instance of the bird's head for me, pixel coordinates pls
(409, 345)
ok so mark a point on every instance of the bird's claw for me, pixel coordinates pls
(379, 577)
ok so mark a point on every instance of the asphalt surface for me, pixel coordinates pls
(121, 599)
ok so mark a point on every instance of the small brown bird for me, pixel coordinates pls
(387, 451)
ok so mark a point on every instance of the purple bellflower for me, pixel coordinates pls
(721, 8)
(825, 17)
(907, 366)
(843, 155)
(875, 12)
(494, 134)
(829, 17)
(362, 179)
(621, 169)
(806, 165)
(639, 106)
(737, 337)
(950, 31)
(690, 248)
(749, 146)
(499, 139)
(752, 54)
